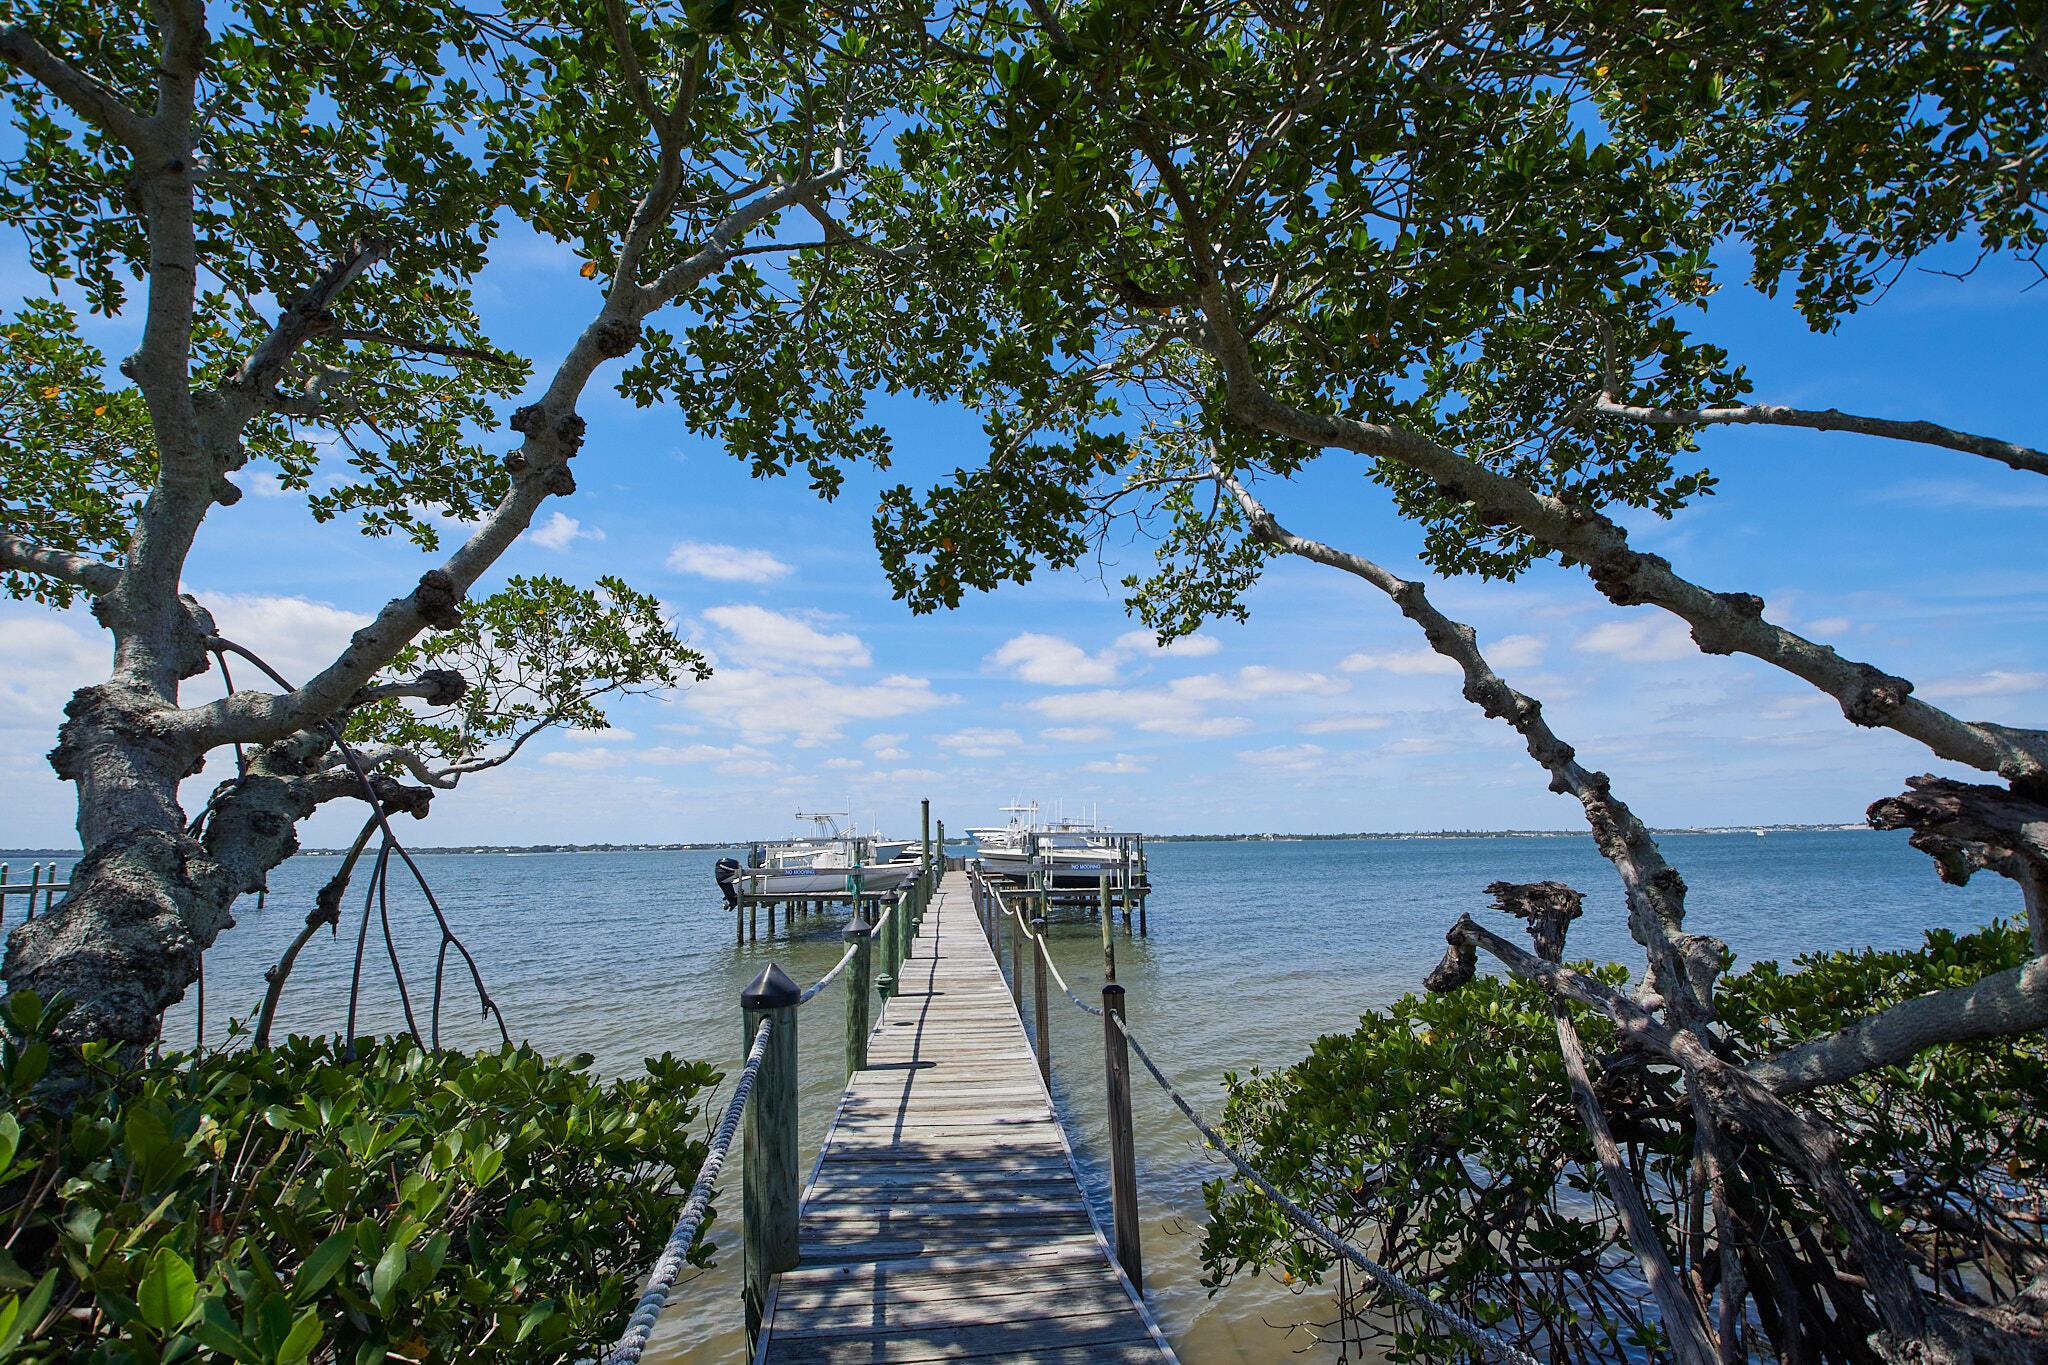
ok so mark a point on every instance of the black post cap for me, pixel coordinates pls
(772, 990)
(856, 928)
(1110, 988)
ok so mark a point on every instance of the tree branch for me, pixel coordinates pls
(441, 348)
(1681, 964)
(1722, 623)
(1830, 419)
(1738, 1098)
(2002, 1005)
(86, 96)
(715, 252)
(25, 556)
(308, 317)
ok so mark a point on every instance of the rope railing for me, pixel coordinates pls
(822, 982)
(1050, 965)
(676, 1254)
(1488, 1340)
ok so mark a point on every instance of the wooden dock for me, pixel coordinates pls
(944, 1219)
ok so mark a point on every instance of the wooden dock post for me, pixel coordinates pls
(769, 1201)
(925, 817)
(1143, 896)
(861, 939)
(1108, 941)
(1043, 1019)
(35, 879)
(1017, 965)
(1123, 1159)
(753, 920)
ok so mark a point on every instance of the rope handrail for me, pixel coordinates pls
(675, 1255)
(1490, 1341)
(1046, 949)
(822, 982)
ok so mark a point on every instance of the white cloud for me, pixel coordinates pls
(1419, 745)
(736, 760)
(611, 734)
(1998, 682)
(1830, 625)
(264, 483)
(1256, 680)
(726, 563)
(891, 755)
(294, 635)
(584, 760)
(1179, 707)
(48, 660)
(1122, 763)
(1289, 758)
(1077, 734)
(807, 709)
(981, 741)
(1052, 660)
(1208, 727)
(1640, 639)
(1055, 661)
(1334, 725)
(1407, 662)
(844, 763)
(756, 635)
(1515, 651)
(886, 741)
(1141, 643)
(560, 531)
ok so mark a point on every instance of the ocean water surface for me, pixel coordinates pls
(1255, 949)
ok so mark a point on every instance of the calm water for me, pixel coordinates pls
(1255, 949)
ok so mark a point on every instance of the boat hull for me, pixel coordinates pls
(875, 880)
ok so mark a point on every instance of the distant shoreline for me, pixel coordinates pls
(7, 853)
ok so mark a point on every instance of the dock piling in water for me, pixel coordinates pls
(1123, 1159)
(861, 938)
(770, 1195)
(1041, 1017)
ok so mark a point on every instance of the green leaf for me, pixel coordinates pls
(323, 1264)
(390, 1269)
(304, 1336)
(19, 1316)
(167, 1292)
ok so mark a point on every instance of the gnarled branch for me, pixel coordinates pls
(86, 96)
(1722, 623)
(25, 556)
(2011, 453)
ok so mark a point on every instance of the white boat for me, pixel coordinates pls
(1073, 853)
(828, 862)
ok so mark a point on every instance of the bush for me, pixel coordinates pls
(1440, 1136)
(294, 1204)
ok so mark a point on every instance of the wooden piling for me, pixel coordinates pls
(1017, 966)
(35, 879)
(753, 921)
(861, 939)
(769, 1199)
(1123, 1158)
(1108, 940)
(1043, 1019)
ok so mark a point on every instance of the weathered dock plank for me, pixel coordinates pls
(944, 1219)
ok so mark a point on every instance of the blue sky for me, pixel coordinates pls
(1324, 713)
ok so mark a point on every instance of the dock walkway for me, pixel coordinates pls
(944, 1219)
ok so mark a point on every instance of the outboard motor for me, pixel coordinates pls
(728, 874)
